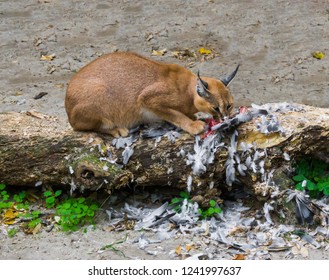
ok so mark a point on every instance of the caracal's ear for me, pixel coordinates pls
(202, 87)
(227, 80)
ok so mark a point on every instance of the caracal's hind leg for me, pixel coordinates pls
(119, 132)
(108, 127)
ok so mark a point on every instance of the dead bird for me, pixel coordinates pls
(244, 115)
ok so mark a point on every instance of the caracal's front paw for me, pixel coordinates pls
(196, 127)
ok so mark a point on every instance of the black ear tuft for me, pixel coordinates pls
(204, 83)
(227, 80)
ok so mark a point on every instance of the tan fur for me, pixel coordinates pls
(121, 90)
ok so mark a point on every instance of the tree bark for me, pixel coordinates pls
(37, 149)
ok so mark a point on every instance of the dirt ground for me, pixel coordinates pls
(44, 42)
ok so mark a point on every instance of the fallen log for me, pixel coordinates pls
(37, 149)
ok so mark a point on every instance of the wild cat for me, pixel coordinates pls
(121, 90)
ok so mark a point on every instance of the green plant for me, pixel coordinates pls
(3, 193)
(75, 212)
(51, 197)
(72, 212)
(33, 217)
(177, 202)
(19, 197)
(112, 248)
(4, 197)
(12, 232)
(312, 175)
(211, 210)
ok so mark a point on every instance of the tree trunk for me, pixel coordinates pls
(37, 149)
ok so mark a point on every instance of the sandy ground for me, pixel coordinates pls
(273, 41)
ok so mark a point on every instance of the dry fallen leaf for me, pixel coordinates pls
(190, 247)
(318, 55)
(49, 57)
(159, 52)
(204, 51)
(59, 85)
(10, 215)
(175, 54)
(38, 42)
(239, 257)
(51, 69)
(36, 229)
(304, 252)
(237, 230)
(276, 79)
(178, 250)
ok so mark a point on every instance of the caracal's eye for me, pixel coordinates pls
(229, 107)
(217, 109)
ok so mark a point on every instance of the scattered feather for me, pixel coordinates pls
(286, 156)
(267, 208)
(39, 183)
(172, 136)
(122, 142)
(71, 170)
(282, 107)
(189, 183)
(245, 147)
(304, 211)
(204, 154)
(127, 153)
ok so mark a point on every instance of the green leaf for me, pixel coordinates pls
(58, 193)
(94, 207)
(20, 206)
(12, 232)
(77, 210)
(300, 187)
(36, 213)
(211, 211)
(310, 185)
(5, 205)
(212, 203)
(175, 200)
(90, 213)
(218, 210)
(66, 205)
(326, 191)
(302, 167)
(299, 178)
(322, 185)
(2, 187)
(50, 201)
(184, 194)
(34, 223)
(47, 193)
